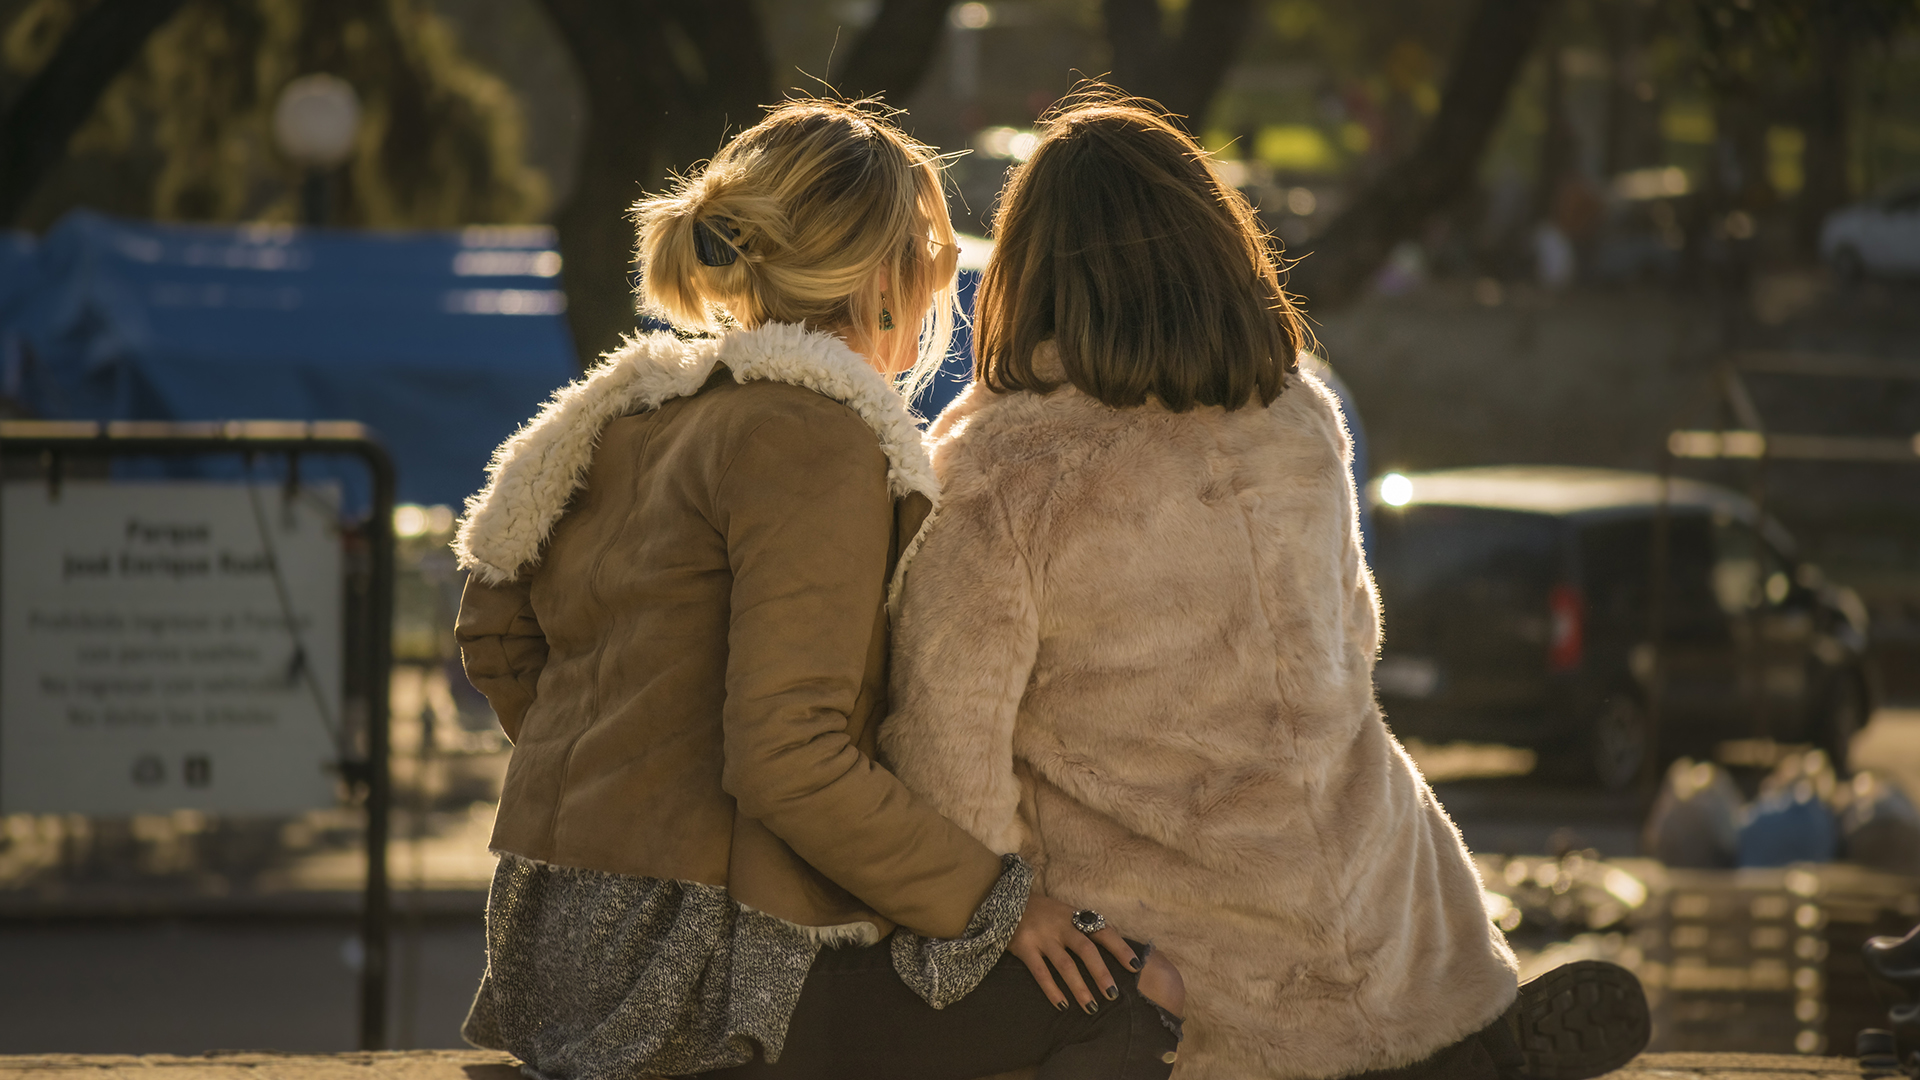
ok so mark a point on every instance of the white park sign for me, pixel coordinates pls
(168, 645)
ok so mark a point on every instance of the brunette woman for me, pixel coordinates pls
(676, 608)
(1136, 646)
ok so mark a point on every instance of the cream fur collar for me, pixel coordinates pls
(536, 472)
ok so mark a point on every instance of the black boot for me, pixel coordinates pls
(1874, 1048)
(1893, 967)
(1905, 1020)
(1893, 970)
(1579, 1020)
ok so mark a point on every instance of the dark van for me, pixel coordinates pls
(1519, 605)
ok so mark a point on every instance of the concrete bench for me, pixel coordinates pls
(391, 1065)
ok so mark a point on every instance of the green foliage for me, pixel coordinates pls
(1365, 73)
(186, 133)
(1736, 34)
(33, 32)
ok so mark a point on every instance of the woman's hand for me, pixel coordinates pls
(1046, 935)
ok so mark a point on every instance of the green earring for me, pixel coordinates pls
(886, 318)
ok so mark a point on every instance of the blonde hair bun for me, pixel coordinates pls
(801, 213)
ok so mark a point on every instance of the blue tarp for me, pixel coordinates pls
(442, 343)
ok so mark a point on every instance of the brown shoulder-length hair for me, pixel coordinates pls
(1118, 241)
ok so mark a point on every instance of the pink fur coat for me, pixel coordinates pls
(1137, 647)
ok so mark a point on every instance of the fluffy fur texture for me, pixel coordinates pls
(536, 472)
(1138, 649)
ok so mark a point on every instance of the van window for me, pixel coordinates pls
(1747, 572)
(1430, 549)
(1616, 560)
(1441, 566)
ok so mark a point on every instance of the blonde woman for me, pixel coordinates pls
(678, 574)
(1137, 643)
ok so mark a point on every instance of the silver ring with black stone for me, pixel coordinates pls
(1089, 921)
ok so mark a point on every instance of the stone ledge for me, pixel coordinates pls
(485, 1065)
(1690, 1066)
(392, 1065)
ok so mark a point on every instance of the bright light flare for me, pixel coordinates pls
(410, 520)
(1005, 142)
(1395, 489)
(1626, 888)
(972, 16)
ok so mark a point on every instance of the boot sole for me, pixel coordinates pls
(1580, 1020)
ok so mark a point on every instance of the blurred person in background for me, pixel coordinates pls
(676, 608)
(1136, 645)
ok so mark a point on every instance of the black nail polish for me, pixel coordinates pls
(1113, 993)
(1061, 1005)
(1134, 963)
(1091, 1008)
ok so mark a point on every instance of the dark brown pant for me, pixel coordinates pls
(857, 1019)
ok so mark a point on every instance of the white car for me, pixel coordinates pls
(1880, 237)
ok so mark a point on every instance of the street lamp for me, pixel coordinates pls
(314, 125)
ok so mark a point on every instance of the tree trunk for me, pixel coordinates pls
(1182, 73)
(616, 48)
(651, 109)
(1825, 159)
(655, 109)
(1557, 147)
(894, 50)
(1633, 115)
(1484, 66)
(34, 133)
(725, 92)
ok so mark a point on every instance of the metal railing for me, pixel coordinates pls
(54, 443)
(1752, 440)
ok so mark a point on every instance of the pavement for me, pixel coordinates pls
(1502, 811)
(189, 985)
(476, 1065)
(182, 933)
(182, 961)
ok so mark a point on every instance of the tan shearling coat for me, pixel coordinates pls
(676, 608)
(1136, 646)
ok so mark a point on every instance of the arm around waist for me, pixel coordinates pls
(806, 512)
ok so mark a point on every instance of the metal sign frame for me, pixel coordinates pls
(54, 442)
(1755, 443)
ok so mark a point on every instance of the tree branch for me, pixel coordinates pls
(1494, 44)
(34, 133)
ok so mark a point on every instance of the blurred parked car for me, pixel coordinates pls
(1519, 610)
(1879, 237)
